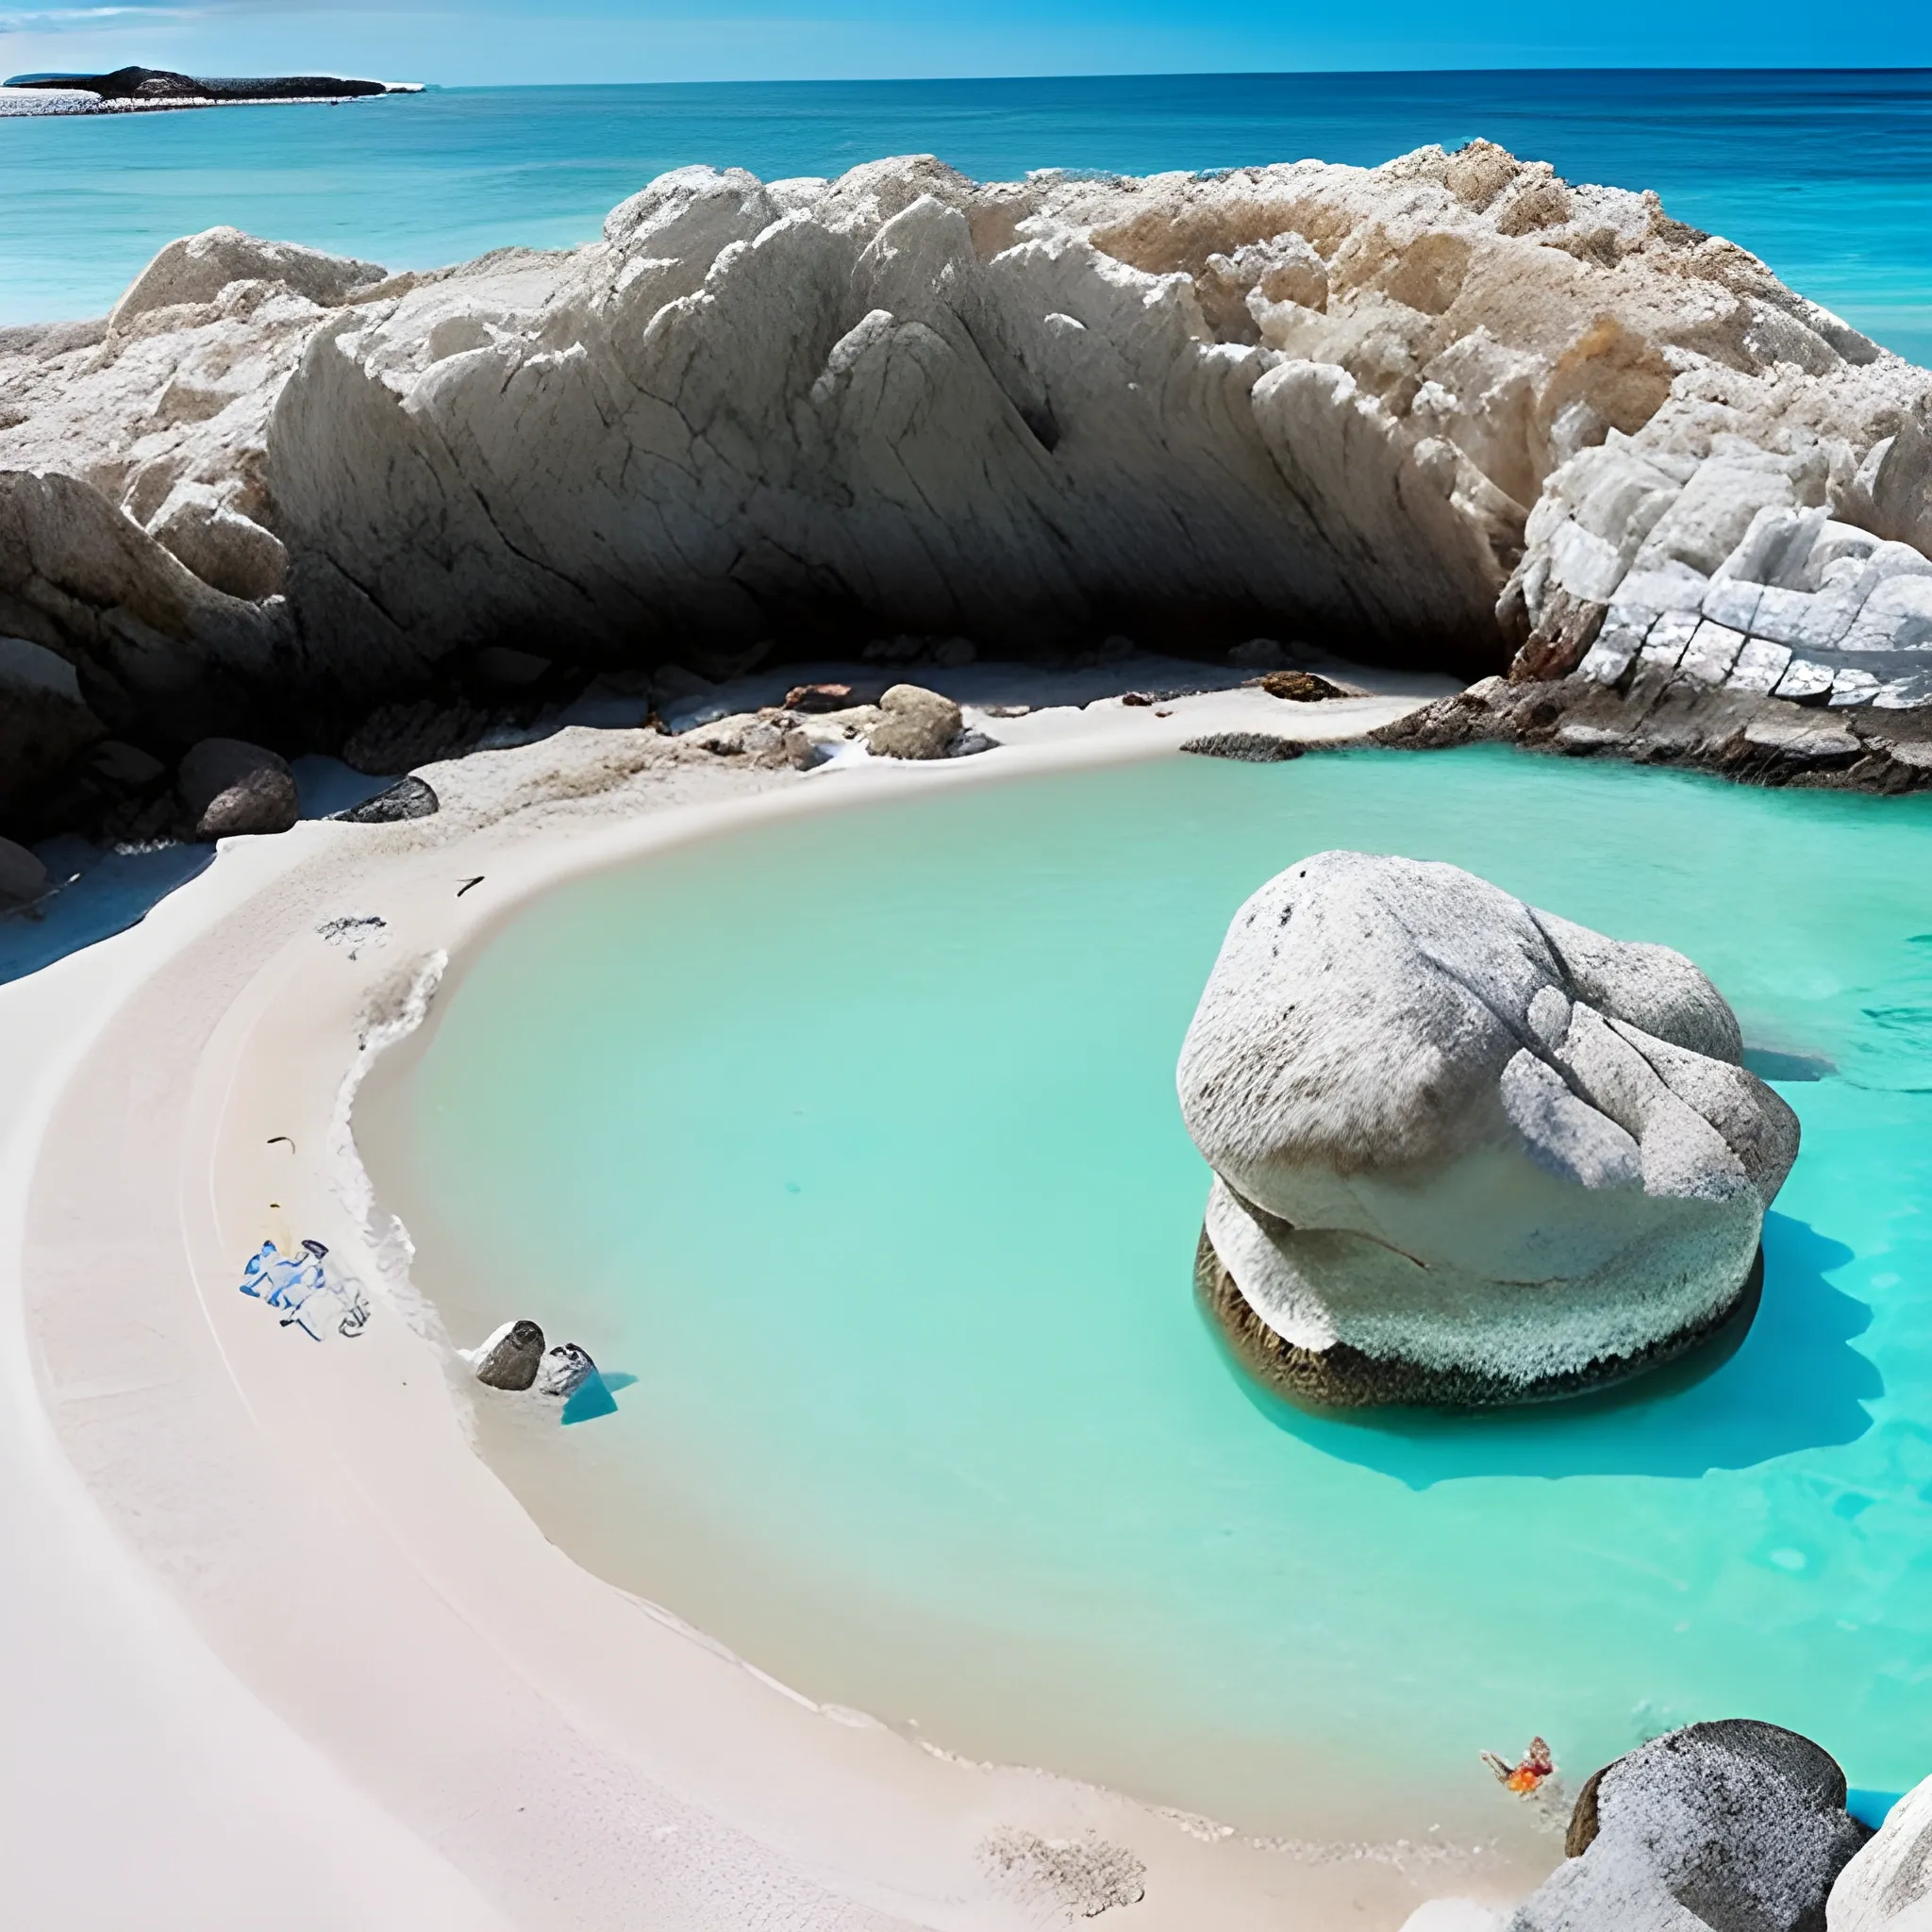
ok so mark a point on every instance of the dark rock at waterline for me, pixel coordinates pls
(407, 798)
(228, 787)
(160, 84)
(1731, 1825)
(511, 1357)
(1250, 747)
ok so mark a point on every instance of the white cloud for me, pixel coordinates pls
(80, 19)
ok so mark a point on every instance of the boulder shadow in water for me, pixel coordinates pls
(597, 1395)
(1784, 1379)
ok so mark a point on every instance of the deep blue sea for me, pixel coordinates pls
(1828, 175)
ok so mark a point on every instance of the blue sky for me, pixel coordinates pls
(505, 41)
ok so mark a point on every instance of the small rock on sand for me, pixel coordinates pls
(565, 1369)
(1301, 687)
(510, 1357)
(407, 798)
(917, 724)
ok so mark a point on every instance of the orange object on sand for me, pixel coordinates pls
(1527, 1774)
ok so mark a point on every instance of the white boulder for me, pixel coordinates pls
(1465, 1151)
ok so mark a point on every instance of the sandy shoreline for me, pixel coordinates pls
(530, 1745)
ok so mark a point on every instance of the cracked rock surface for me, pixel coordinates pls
(1439, 411)
(1466, 1152)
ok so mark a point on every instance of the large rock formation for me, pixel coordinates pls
(159, 86)
(1723, 1825)
(1466, 1152)
(1434, 410)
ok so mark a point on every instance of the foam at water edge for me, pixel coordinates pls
(395, 1011)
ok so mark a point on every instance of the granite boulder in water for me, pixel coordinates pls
(1466, 1152)
(1729, 1825)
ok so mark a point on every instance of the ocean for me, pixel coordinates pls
(1828, 175)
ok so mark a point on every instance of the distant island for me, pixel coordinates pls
(137, 89)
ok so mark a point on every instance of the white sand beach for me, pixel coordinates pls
(304, 1648)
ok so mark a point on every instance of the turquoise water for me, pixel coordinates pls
(855, 1141)
(1828, 175)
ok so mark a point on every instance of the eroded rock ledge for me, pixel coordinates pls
(1448, 411)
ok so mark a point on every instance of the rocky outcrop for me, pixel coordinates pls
(1665, 718)
(1733, 1823)
(1764, 612)
(156, 651)
(1888, 1887)
(915, 723)
(226, 550)
(228, 787)
(1466, 1152)
(159, 86)
(201, 268)
(1446, 410)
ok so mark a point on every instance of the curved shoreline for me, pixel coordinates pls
(322, 1515)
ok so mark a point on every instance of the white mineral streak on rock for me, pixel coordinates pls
(1887, 1884)
(1363, 404)
(1454, 1132)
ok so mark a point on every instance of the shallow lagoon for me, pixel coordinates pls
(854, 1139)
